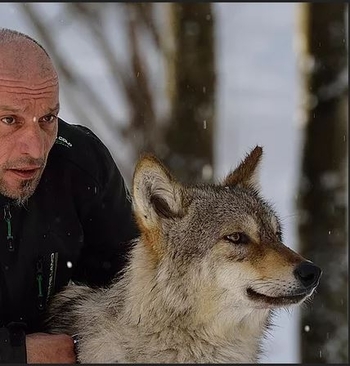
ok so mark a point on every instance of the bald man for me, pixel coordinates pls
(65, 212)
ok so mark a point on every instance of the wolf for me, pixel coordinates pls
(202, 280)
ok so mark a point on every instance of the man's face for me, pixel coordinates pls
(28, 129)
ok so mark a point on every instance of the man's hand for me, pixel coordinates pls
(50, 348)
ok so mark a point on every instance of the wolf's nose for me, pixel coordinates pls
(308, 274)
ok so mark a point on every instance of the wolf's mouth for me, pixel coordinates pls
(276, 300)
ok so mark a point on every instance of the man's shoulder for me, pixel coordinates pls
(77, 134)
(79, 147)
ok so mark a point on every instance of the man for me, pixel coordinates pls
(64, 208)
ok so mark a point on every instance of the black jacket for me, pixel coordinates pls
(77, 225)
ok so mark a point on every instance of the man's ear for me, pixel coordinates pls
(156, 195)
(246, 174)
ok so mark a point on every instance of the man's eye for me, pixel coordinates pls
(49, 118)
(237, 238)
(8, 120)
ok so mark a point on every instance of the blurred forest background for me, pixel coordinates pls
(160, 62)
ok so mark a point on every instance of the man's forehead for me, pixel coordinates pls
(20, 92)
(17, 108)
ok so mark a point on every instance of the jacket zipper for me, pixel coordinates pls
(39, 263)
(39, 279)
(7, 217)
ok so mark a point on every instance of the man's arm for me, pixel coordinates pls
(108, 225)
(16, 347)
(12, 345)
(50, 348)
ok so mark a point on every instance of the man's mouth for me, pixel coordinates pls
(277, 300)
(26, 172)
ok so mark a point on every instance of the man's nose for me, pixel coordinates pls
(32, 140)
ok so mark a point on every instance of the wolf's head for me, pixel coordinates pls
(218, 241)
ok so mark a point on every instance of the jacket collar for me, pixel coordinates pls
(5, 200)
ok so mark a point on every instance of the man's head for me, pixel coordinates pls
(29, 104)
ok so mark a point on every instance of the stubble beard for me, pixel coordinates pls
(25, 190)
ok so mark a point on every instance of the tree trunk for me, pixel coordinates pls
(189, 136)
(323, 188)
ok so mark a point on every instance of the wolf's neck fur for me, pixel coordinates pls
(185, 328)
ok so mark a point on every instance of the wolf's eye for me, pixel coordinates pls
(237, 238)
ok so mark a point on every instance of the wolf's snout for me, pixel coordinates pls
(308, 274)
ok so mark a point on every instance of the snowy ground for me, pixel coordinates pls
(256, 103)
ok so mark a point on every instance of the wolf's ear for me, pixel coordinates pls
(156, 194)
(246, 174)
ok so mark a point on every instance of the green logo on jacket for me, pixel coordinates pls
(62, 141)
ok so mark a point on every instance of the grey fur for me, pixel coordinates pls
(183, 296)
